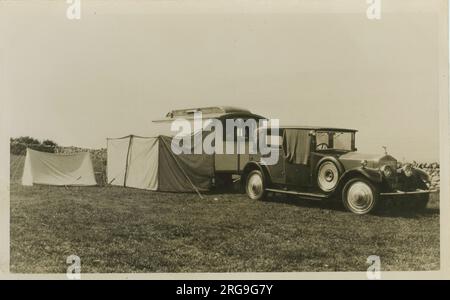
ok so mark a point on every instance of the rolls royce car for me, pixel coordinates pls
(323, 163)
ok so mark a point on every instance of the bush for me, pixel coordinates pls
(18, 146)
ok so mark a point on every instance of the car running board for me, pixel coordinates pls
(309, 195)
(418, 191)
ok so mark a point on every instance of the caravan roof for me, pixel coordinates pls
(217, 112)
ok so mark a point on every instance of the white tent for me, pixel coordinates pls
(58, 169)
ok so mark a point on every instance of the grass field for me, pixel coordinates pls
(113, 229)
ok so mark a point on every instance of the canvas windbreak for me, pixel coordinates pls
(58, 169)
(117, 152)
(133, 162)
(149, 163)
(183, 171)
(296, 145)
(142, 169)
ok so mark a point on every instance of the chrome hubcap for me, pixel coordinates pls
(254, 186)
(329, 176)
(360, 198)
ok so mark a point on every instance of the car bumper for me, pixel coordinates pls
(398, 192)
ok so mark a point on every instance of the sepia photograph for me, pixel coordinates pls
(259, 138)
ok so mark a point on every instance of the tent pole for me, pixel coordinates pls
(126, 163)
(182, 170)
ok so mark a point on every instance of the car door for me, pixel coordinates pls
(227, 161)
(297, 174)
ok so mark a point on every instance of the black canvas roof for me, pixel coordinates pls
(318, 128)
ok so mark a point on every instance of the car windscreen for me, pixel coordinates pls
(334, 140)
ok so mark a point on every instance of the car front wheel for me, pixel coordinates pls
(360, 196)
(254, 186)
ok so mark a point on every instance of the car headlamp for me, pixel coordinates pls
(387, 171)
(407, 170)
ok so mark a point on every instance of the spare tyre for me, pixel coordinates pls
(328, 176)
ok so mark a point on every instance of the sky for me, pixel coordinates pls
(125, 64)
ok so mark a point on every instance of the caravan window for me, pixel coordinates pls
(237, 132)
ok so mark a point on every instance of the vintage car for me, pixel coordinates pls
(322, 163)
(314, 162)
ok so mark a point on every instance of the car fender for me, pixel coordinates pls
(332, 159)
(373, 175)
(253, 165)
(421, 174)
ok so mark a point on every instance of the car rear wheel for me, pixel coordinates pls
(360, 196)
(255, 186)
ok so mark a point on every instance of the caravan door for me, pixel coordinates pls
(227, 161)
